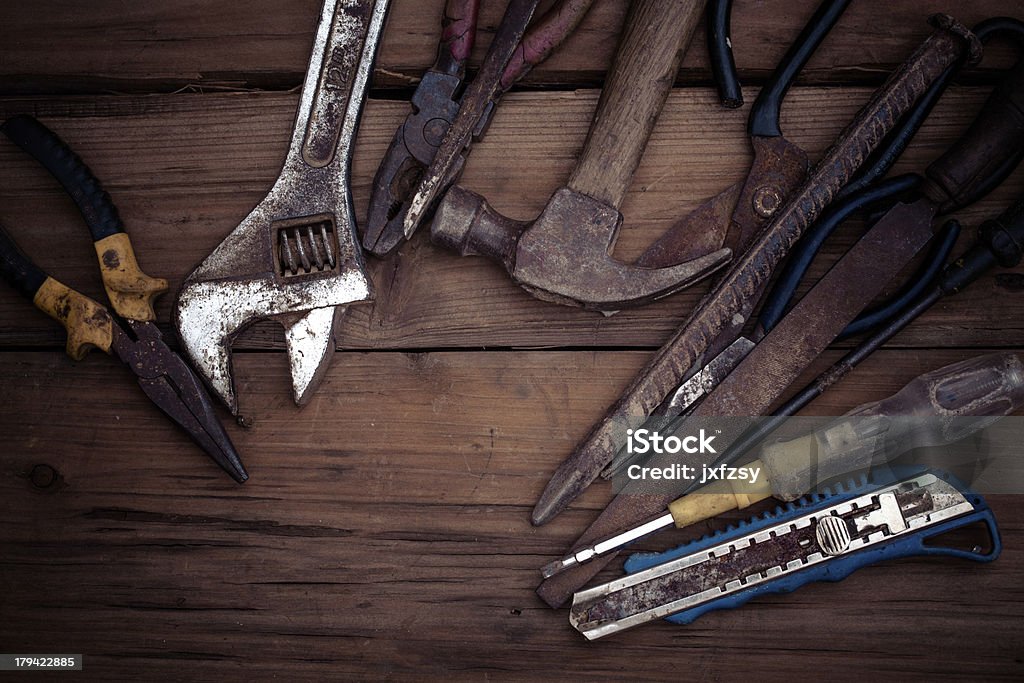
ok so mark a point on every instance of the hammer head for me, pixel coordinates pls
(565, 255)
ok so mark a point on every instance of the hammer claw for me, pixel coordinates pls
(565, 255)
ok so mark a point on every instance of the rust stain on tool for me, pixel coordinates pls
(294, 258)
(701, 576)
(779, 167)
(852, 283)
(565, 255)
(747, 275)
(439, 99)
(476, 102)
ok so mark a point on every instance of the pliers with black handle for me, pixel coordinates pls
(128, 332)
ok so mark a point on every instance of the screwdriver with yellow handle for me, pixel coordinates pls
(937, 408)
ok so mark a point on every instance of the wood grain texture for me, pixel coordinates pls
(384, 532)
(184, 170)
(204, 45)
(651, 47)
(373, 542)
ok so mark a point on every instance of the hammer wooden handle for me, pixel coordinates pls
(652, 45)
(717, 310)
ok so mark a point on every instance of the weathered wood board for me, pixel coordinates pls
(164, 47)
(385, 532)
(192, 166)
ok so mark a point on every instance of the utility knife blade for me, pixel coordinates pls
(823, 538)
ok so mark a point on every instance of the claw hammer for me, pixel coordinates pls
(564, 256)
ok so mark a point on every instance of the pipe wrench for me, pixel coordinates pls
(294, 258)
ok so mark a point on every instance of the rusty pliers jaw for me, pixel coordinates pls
(412, 149)
(435, 103)
(176, 390)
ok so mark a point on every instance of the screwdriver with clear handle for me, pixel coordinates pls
(968, 396)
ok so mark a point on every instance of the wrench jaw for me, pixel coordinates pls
(210, 314)
(295, 257)
(304, 270)
(310, 343)
(206, 338)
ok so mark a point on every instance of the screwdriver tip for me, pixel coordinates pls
(556, 567)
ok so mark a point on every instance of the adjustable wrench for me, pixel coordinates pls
(294, 258)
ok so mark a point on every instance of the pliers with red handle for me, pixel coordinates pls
(430, 147)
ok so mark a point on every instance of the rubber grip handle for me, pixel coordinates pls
(1000, 241)
(458, 34)
(544, 37)
(85, 189)
(764, 115)
(976, 392)
(18, 269)
(987, 152)
(87, 322)
(723, 64)
(652, 45)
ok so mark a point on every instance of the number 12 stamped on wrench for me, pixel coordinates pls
(294, 258)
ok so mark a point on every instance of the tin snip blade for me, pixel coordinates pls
(294, 258)
(824, 537)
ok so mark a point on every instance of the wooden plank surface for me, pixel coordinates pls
(262, 44)
(385, 532)
(404, 546)
(193, 166)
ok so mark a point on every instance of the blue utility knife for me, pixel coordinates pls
(823, 537)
